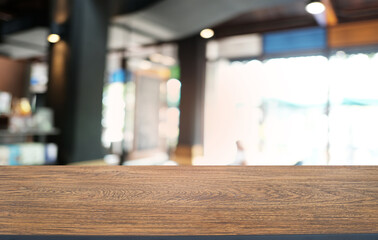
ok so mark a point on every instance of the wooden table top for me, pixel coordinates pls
(72, 200)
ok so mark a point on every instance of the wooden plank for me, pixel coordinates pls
(71, 200)
(353, 34)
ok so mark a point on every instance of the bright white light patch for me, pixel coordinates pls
(315, 7)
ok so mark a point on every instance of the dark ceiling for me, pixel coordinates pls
(355, 10)
(11, 9)
(295, 16)
(18, 15)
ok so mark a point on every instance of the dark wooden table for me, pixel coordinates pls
(71, 200)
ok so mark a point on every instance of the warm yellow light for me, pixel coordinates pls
(207, 33)
(22, 107)
(53, 38)
(315, 7)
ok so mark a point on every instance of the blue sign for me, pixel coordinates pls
(295, 40)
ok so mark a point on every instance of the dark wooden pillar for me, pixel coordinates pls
(192, 56)
(77, 66)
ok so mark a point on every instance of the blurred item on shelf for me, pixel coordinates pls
(43, 119)
(19, 123)
(22, 107)
(5, 109)
(28, 154)
(5, 103)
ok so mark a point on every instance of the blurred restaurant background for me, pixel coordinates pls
(188, 82)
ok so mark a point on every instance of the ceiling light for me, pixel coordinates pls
(53, 38)
(315, 7)
(207, 33)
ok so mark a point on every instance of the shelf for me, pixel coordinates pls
(32, 132)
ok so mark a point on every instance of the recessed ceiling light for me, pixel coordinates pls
(315, 7)
(53, 38)
(207, 33)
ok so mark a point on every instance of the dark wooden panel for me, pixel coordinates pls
(120, 200)
(264, 26)
(353, 34)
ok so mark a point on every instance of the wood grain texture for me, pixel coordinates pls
(73, 200)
